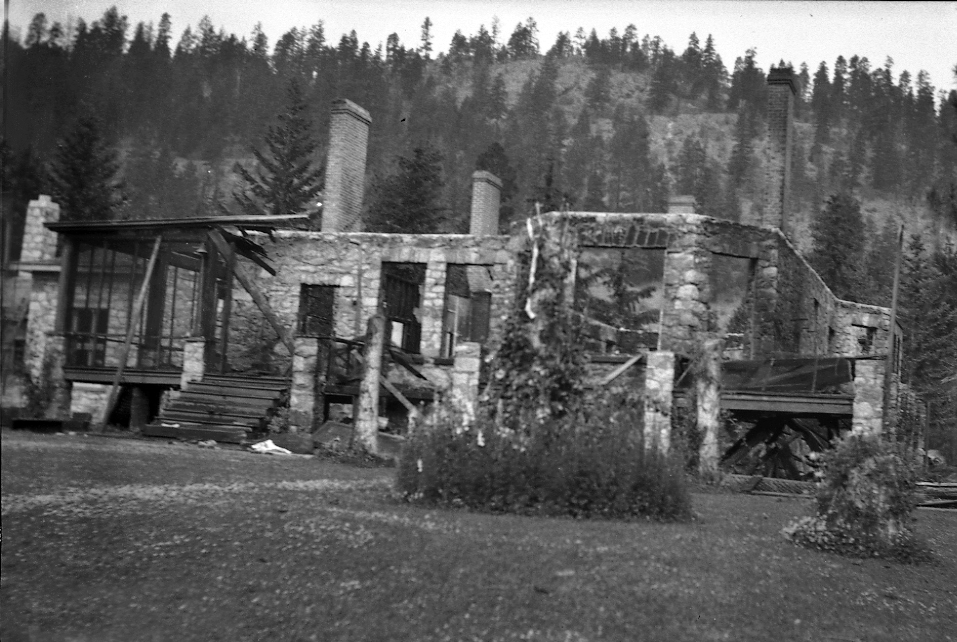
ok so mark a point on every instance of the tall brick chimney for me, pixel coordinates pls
(782, 87)
(345, 166)
(486, 199)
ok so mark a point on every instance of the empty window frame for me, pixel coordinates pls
(402, 285)
(89, 331)
(317, 310)
(622, 287)
(466, 312)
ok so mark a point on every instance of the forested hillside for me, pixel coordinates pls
(611, 122)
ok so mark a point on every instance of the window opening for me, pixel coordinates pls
(403, 284)
(467, 306)
(317, 310)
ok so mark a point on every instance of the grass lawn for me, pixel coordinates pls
(107, 539)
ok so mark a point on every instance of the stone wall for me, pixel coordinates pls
(352, 262)
(91, 398)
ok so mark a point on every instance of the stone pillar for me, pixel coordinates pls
(486, 201)
(367, 417)
(39, 243)
(782, 86)
(433, 306)
(52, 380)
(303, 393)
(465, 373)
(868, 397)
(659, 385)
(687, 296)
(707, 389)
(345, 166)
(194, 361)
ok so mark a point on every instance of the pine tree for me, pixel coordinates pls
(83, 175)
(286, 181)
(838, 251)
(409, 201)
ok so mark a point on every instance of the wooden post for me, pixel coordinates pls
(227, 309)
(257, 296)
(367, 418)
(131, 329)
(709, 407)
(66, 287)
(891, 336)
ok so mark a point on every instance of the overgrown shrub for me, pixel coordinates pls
(590, 463)
(865, 497)
(39, 392)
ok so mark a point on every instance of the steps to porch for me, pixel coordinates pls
(224, 408)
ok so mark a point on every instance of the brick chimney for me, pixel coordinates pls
(681, 204)
(782, 87)
(345, 166)
(486, 199)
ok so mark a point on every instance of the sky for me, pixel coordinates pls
(916, 35)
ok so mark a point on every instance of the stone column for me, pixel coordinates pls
(303, 393)
(707, 385)
(39, 243)
(433, 305)
(465, 373)
(868, 397)
(194, 361)
(659, 384)
(367, 418)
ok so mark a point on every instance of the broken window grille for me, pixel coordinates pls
(402, 296)
(90, 327)
(317, 310)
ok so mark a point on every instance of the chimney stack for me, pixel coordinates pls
(782, 87)
(681, 204)
(486, 199)
(345, 166)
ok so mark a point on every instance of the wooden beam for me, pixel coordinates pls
(66, 286)
(617, 372)
(257, 296)
(227, 308)
(132, 323)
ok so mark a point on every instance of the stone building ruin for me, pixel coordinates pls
(256, 307)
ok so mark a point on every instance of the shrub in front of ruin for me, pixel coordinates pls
(865, 500)
(588, 464)
(539, 441)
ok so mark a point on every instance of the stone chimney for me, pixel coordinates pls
(486, 199)
(681, 204)
(782, 87)
(39, 243)
(345, 166)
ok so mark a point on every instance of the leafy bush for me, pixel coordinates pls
(590, 463)
(865, 497)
